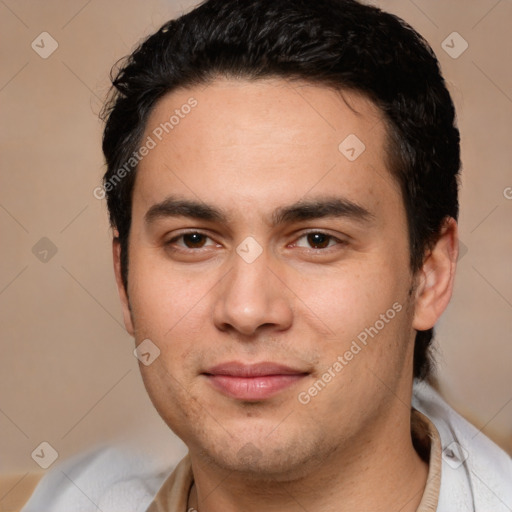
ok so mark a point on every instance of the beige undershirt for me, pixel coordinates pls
(173, 494)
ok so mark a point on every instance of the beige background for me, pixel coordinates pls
(67, 372)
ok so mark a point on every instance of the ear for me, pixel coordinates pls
(123, 295)
(436, 277)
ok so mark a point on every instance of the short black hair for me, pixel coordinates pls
(341, 44)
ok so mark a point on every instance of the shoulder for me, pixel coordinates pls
(107, 478)
(475, 471)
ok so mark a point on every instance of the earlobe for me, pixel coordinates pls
(436, 278)
(123, 295)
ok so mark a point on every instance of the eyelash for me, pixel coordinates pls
(313, 232)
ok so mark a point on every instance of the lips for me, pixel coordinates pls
(252, 382)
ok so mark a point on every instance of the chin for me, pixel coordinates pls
(258, 459)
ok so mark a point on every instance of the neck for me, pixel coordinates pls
(380, 471)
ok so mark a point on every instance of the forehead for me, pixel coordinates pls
(267, 137)
(249, 111)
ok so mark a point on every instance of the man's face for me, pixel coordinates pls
(252, 313)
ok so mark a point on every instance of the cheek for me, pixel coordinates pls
(171, 395)
(352, 297)
(164, 299)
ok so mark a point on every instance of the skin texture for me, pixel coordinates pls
(249, 148)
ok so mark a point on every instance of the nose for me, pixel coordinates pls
(252, 298)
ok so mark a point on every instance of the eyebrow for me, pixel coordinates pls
(302, 210)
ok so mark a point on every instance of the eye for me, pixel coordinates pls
(318, 240)
(192, 240)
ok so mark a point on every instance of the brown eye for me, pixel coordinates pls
(194, 240)
(318, 240)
